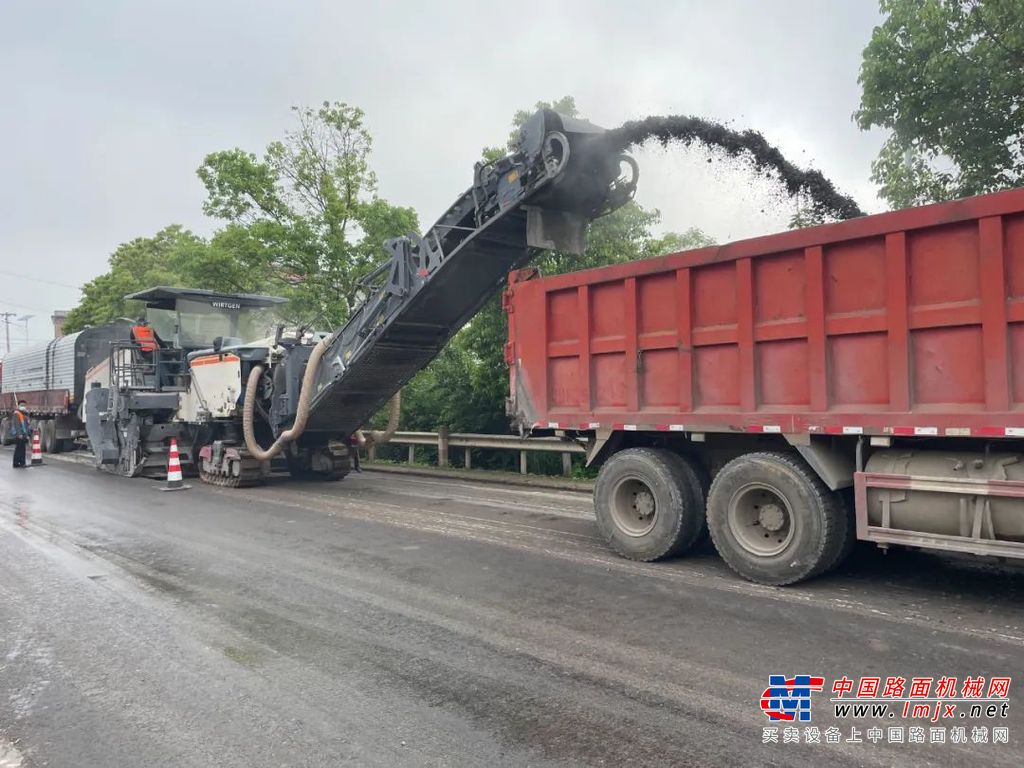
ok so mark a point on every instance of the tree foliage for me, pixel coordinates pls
(946, 77)
(306, 212)
(173, 256)
(303, 221)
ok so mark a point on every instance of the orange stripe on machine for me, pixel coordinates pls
(214, 359)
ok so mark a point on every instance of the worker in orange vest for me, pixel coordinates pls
(145, 337)
(21, 432)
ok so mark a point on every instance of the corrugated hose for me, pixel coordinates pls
(376, 436)
(301, 411)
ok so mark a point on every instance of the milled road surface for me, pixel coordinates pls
(400, 621)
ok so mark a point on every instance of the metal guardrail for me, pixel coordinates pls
(444, 441)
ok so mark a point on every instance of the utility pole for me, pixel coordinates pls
(7, 327)
(24, 319)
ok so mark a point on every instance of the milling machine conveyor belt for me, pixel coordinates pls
(542, 196)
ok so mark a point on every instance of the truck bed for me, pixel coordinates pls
(903, 323)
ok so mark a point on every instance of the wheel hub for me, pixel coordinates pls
(760, 519)
(634, 508)
(772, 517)
(643, 503)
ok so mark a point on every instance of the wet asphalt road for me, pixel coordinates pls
(407, 621)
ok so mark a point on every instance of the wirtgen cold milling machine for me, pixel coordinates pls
(212, 371)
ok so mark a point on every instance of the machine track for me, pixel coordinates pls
(342, 465)
(251, 473)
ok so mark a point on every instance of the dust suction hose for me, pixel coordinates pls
(381, 436)
(376, 436)
(301, 411)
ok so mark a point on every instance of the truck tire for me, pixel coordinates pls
(47, 435)
(648, 504)
(58, 444)
(699, 483)
(773, 521)
(849, 531)
(5, 431)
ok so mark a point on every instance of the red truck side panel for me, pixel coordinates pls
(902, 323)
(55, 401)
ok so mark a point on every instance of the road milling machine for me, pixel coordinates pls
(238, 393)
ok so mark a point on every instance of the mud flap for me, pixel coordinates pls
(556, 230)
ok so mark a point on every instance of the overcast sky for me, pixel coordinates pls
(108, 107)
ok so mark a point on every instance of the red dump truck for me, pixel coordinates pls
(793, 393)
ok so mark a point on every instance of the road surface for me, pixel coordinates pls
(407, 621)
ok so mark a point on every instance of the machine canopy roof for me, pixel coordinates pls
(164, 297)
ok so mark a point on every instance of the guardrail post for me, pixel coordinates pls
(522, 462)
(469, 458)
(442, 446)
(371, 452)
(567, 464)
(412, 454)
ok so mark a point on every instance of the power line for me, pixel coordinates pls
(39, 280)
(22, 306)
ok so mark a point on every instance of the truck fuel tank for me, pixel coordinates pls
(953, 514)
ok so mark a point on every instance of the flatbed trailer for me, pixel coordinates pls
(795, 392)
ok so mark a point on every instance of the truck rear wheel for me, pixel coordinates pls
(698, 482)
(773, 521)
(648, 503)
(48, 435)
(57, 444)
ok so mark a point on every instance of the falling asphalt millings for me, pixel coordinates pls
(747, 145)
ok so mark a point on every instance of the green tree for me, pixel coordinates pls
(305, 216)
(173, 256)
(302, 221)
(946, 77)
(692, 238)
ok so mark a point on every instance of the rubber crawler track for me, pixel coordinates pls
(249, 476)
(342, 466)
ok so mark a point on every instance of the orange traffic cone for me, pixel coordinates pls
(37, 449)
(174, 481)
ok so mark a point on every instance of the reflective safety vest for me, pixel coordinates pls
(146, 338)
(19, 425)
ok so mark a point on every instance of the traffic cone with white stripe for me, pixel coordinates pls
(174, 481)
(37, 449)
